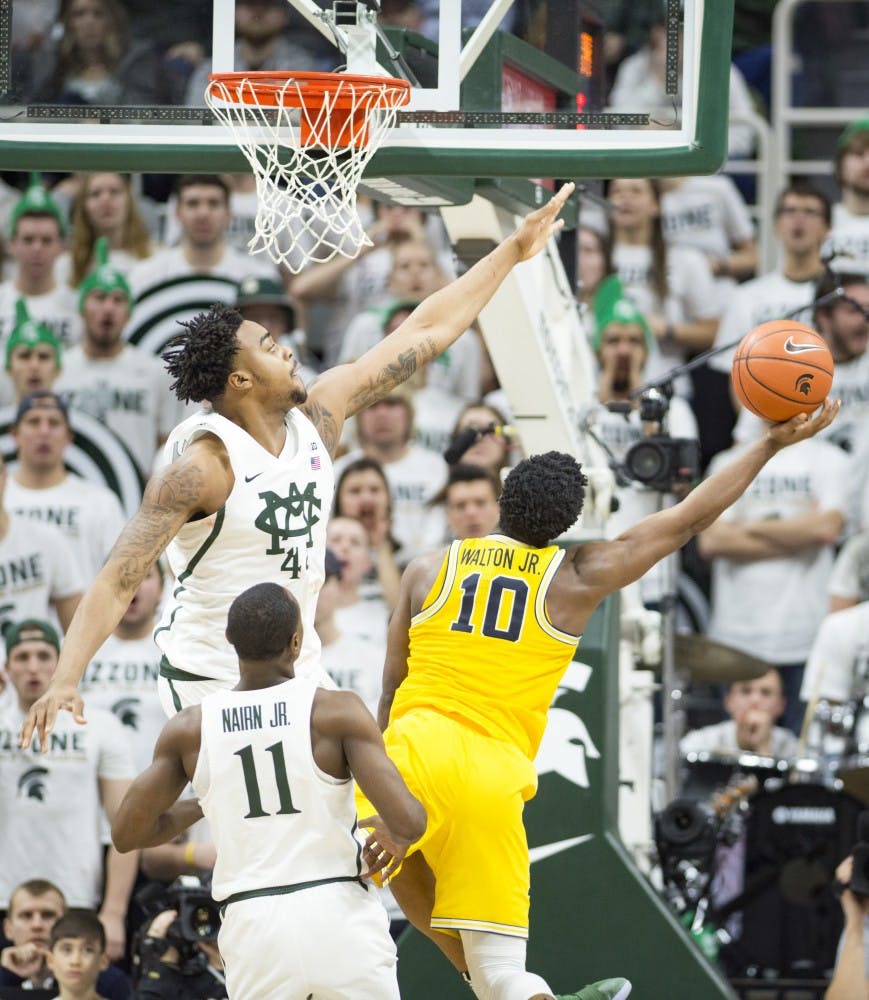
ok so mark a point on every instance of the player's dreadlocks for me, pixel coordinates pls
(542, 497)
(202, 357)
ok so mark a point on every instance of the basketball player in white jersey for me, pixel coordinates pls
(271, 762)
(246, 493)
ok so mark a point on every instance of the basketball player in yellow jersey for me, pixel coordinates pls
(477, 645)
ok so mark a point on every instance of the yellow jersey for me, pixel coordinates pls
(482, 648)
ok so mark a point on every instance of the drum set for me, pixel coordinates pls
(748, 847)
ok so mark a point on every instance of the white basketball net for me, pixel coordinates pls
(307, 161)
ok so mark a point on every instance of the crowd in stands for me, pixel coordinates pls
(94, 280)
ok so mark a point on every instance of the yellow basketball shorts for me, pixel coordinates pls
(473, 788)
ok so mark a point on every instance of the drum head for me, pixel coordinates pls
(790, 919)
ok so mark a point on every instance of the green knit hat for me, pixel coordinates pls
(36, 201)
(611, 305)
(29, 332)
(848, 133)
(104, 276)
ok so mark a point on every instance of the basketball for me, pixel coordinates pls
(782, 368)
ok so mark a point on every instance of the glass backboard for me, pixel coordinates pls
(497, 91)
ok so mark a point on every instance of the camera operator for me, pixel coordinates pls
(851, 978)
(170, 967)
(621, 340)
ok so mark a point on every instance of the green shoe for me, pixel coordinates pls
(606, 989)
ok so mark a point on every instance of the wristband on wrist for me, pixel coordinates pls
(190, 853)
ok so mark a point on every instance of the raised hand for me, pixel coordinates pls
(23, 960)
(803, 426)
(539, 225)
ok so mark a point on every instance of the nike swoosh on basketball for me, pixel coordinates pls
(250, 479)
(794, 348)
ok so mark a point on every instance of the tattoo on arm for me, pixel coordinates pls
(327, 427)
(400, 370)
(169, 500)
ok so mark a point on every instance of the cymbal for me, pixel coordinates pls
(711, 662)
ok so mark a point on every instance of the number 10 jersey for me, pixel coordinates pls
(482, 649)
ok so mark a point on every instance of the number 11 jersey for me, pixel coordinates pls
(279, 823)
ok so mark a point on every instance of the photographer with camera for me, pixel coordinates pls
(851, 977)
(178, 956)
(635, 429)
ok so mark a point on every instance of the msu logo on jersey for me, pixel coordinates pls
(127, 712)
(289, 517)
(31, 784)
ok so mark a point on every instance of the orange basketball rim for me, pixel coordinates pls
(335, 106)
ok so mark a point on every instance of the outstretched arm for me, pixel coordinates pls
(430, 328)
(198, 482)
(150, 812)
(608, 566)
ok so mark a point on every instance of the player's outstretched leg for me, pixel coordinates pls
(606, 989)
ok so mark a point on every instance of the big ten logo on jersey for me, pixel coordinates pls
(287, 521)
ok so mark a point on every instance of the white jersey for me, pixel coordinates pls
(119, 259)
(272, 528)
(37, 567)
(57, 309)
(707, 213)
(772, 608)
(757, 301)
(841, 643)
(277, 820)
(849, 238)
(122, 679)
(50, 803)
(87, 514)
(172, 263)
(693, 295)
(850, 575)
(356, 664)
(129, 393)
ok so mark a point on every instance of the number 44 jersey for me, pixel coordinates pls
(271, 528)
(482, 648)
(279, 823)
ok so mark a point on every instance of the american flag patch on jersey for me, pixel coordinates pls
(315, 462)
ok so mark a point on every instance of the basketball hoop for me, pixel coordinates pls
(307, 137)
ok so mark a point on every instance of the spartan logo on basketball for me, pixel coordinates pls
(31, 784)
(804, 383)
(287, 518)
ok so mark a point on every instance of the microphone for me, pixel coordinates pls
(470, 436)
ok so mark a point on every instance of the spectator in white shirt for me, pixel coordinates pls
(40, 488)
(122, 386)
